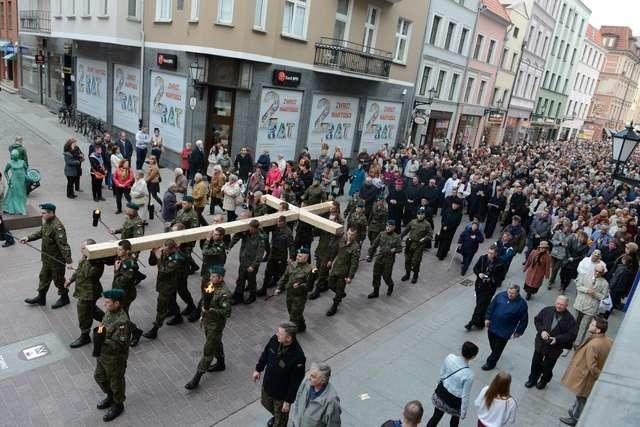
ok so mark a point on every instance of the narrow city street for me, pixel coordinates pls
(383, 352)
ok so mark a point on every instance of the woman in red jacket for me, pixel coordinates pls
(122, 181)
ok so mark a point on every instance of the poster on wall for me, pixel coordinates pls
(167, 100)
(381, 120)
(278, 122)
(332, 121)
(91, 87)
(126, 97)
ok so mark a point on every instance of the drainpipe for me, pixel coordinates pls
(141, 90)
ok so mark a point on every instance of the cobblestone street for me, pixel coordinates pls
(390, 348)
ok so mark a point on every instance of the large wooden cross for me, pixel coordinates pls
(308, 214)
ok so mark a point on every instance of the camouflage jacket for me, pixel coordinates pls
(87, 279)
(389, 244)
(216, 307)
(54, 242)
(418, 231)
(132, 227)
(296, 273)
(117, 334)
(345, 263)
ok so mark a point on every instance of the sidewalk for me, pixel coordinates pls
(390, 348)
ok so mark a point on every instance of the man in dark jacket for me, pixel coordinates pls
(434, 195)
(283, 362)
(489, 273)
(557, 330)
(243, 164)
(396, 201)
(126, 147)
(507, 316)
(368, 193)
(451, 219)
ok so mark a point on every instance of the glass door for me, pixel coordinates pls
(220, 127)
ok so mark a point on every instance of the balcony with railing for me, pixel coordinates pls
(352, 57)
(35, 21)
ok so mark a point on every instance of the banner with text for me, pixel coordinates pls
(380, 127)
(168, 97)
(278, 122)
(91, 87)
(126, 97)
(333, 121)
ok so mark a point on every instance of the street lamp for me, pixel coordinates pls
(431, 95)
(623, 145)
(196, 69)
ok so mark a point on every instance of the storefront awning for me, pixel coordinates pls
(9, 56)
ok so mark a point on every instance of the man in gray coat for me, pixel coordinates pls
(317, 402)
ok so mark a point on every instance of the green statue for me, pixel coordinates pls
(15, 201)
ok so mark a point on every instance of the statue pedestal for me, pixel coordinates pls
(33, 218)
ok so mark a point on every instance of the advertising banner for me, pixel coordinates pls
(333, 121)
(381, 120)
(278, 122)
(167, 100)
(91, 87)
(126, 97)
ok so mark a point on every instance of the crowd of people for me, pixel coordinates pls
(553, 201)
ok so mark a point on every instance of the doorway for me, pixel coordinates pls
(220, 118)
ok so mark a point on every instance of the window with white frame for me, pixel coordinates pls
(478, 48)
(260, 17)
(454, 86)
(467, 92)
(86, 8)
(483, 86)
(442, 75)
(133, 9)
(434, 29)
(402, 40)
(296, 15)
(72, 8)
(164, 9)
(463, 40)
(343, 20)
(451, 29)
(492, 47)
(225, 12)
(194, 11)
(426, 72)
(370, 28)
(103, 8)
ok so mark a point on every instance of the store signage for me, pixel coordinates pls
(167, 61)
(381, 123)
(333, 122)
(40, 59)
(420, 120)
(278, 122)
(286, 78)
(126, 97)
(91, 87)
(168, 103)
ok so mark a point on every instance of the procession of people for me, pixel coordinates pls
(403, 203)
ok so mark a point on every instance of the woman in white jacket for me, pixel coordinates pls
(232, 194)
(495, 405)
(139, 192)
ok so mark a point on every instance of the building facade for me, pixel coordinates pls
(88, 57)
(9, 76)
(480, 77)
(583, 87)
(611, 107)
(447, 42)
(571, 22)
(530, 64)
(281, 75)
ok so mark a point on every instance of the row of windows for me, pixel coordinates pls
(584, 84)
(555, 84)
(579, 110)
(571, 19)
(526, 85)
(546, 108)
(455, 38)
(446, 88)
(563, 50)
(87, 8)
(593, 58)
(8, 15)
(537, 46)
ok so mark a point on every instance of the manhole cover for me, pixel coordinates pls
(466, 282)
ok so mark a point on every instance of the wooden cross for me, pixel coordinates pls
(307, 214)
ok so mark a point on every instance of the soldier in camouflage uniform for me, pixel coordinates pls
(420, 232)
(343, 268)
(251, 252)
(125, 277)
(353, 203)
(188, 217)
(111, 364)
(304, 232)
(358, 220)
(214, 250)
(314, 194)
(288, 195)
(325, 251)
(260, 208)
(297, 281)
(88, 290)
(133, 227)
(55, 254)
(216, 309)
(389, 244)
(170, 261)
(377, 218)
(183, 279)
(281, 247)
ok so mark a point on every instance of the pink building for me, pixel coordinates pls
(480, 76)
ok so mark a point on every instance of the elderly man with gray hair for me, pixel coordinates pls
(317, 402)
(411, 416)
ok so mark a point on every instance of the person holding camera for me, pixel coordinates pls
(490, 273)
(556, 330)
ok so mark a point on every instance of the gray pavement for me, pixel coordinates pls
(390, 348)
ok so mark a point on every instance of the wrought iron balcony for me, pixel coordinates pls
(35, 21)
(352, 57)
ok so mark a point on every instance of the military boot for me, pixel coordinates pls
(135, 337)
(414, 279)
(195, 381)
(62, 301)
(152, 333)
(106, 402)
(251, 299)
(333, 310)
(188, 310)
(315, 294)
(219, 366)
(113, 412)
(374, 294)
(262, 291)
(83, 339)
(406, 276)
(236, 299)
(40, 299)
(194, 316)
(175, 320)
(389, 290)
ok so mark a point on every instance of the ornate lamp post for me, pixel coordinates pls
(623, 145)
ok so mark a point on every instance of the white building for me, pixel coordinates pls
(584, 85)
(448, 39)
